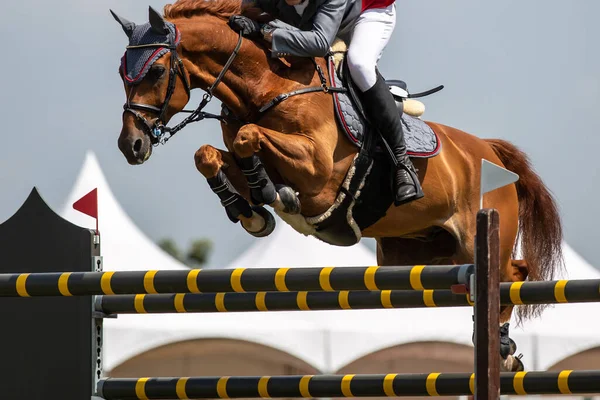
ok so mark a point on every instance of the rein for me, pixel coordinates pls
(311, 89)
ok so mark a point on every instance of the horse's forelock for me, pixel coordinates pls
(190, 8)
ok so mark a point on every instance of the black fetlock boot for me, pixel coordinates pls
(507, 345)
(262, 190)
(504, 341)
(384, 117)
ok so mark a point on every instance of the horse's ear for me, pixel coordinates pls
(127, 26)
(157, 22)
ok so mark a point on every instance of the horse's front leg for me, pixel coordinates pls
(293, 160)
(227, 181)
(289, 158)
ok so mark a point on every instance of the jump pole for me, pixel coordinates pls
(515, 293)
(417, 277)
(338, 386)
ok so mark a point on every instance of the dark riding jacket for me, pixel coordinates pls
(313, 33)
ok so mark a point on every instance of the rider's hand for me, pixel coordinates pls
(245, 25)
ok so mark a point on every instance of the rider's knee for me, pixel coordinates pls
(363, 71)
(358, 64)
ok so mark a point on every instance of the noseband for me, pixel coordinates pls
(157, 130)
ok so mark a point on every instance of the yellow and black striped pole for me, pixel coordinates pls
(307, 386)
(417, 277)
(551, 292)
(277, 301)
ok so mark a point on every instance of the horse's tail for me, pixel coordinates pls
(540, 229)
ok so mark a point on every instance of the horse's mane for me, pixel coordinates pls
(190, 8)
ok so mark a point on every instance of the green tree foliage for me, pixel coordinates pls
(196, 255)
(169, 247)
(199, 251)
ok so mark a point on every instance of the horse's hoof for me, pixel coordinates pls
(518, 364)
(290, 201)
(269, 226)
(512, 364)
(513, 347)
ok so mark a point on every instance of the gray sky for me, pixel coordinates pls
(524, 71)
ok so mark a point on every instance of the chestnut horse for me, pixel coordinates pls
(302, 148)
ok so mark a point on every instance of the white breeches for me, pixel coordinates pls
(371, 34)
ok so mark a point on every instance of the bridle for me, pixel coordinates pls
(156, 130)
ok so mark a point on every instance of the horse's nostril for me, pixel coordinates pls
(137, 145)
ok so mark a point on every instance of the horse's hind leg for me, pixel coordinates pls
(226, 180)
(506, 202)
(438, 249)
(463, 226)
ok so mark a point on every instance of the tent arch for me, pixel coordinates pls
(583, 360)
(414, 357)
(212, 357)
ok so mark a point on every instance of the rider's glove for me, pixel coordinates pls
(248, 27)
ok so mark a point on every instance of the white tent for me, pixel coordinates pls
(327, 340)
(124, 247)
(287, 248)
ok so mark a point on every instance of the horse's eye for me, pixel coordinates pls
(156, 72)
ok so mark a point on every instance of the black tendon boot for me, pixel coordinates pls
(384, 116)
(262, 190)
(235, 205)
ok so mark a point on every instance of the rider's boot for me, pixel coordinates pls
(384, 116)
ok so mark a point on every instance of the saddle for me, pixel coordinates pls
(421, 140)
(366, 193)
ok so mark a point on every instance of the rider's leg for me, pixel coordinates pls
(371, 34)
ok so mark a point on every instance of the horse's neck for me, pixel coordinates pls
(208, 47)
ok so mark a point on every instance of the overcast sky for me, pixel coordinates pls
(524, 71)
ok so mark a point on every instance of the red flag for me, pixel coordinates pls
(88, 204)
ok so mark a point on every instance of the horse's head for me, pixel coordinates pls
(156, 84)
